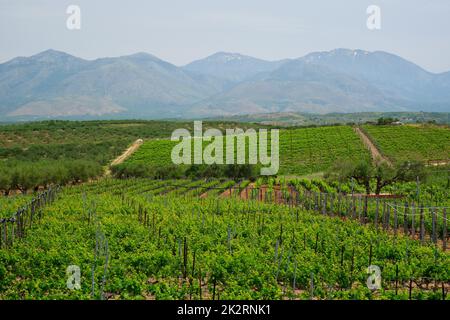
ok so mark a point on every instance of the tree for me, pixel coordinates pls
(239, 171)
(362, 173)
(386, 121)
(5, 181)
(380, 173)
(405, 172)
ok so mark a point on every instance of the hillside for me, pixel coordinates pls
(233, 67)
(302, 151)
(313, 150)
(161, 237)
(310, 119)
(55, 84)
(422, 143)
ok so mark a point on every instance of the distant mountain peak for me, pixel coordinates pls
(49, 56)
(231, 66)
(348, 51)
(227, 57)
(51, 53)
(340, 52)
(143, 56)
(53, 83)
(52, 56)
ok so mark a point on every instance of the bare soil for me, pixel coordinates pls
(376, 154)
(127, 153)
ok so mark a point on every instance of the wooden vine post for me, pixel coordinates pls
(444, 229)
(413, 222)
(422, 226)
(405, 219)
(377, 207)
(395, 219)
(433, 225)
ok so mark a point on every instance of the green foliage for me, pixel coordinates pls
(237, 245)
(26, 176)
(63, 145)
(167, 171)
(380, 174)
(302, 151)
(386, 121)
(411, 142)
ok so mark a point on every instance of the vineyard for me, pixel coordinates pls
(310, 150)
(39, 154)
(217, 239)
(314, 150)
(302, 151)
(191, 234)
(401, 143)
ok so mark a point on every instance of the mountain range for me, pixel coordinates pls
(56, 84)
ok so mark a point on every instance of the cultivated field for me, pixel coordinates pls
(144, 239)
(165, 232)
(412, 142)
(302, 151)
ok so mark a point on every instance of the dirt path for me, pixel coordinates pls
(437, 163)
(127, 152)
(376, 154)
(125, 155)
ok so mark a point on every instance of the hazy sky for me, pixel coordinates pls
(180, 31)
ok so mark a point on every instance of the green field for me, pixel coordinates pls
(164, 242)
(197, 235)
(310, 150)
(411, 142)
(302, 151)
(38, 154)
(97, 141)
